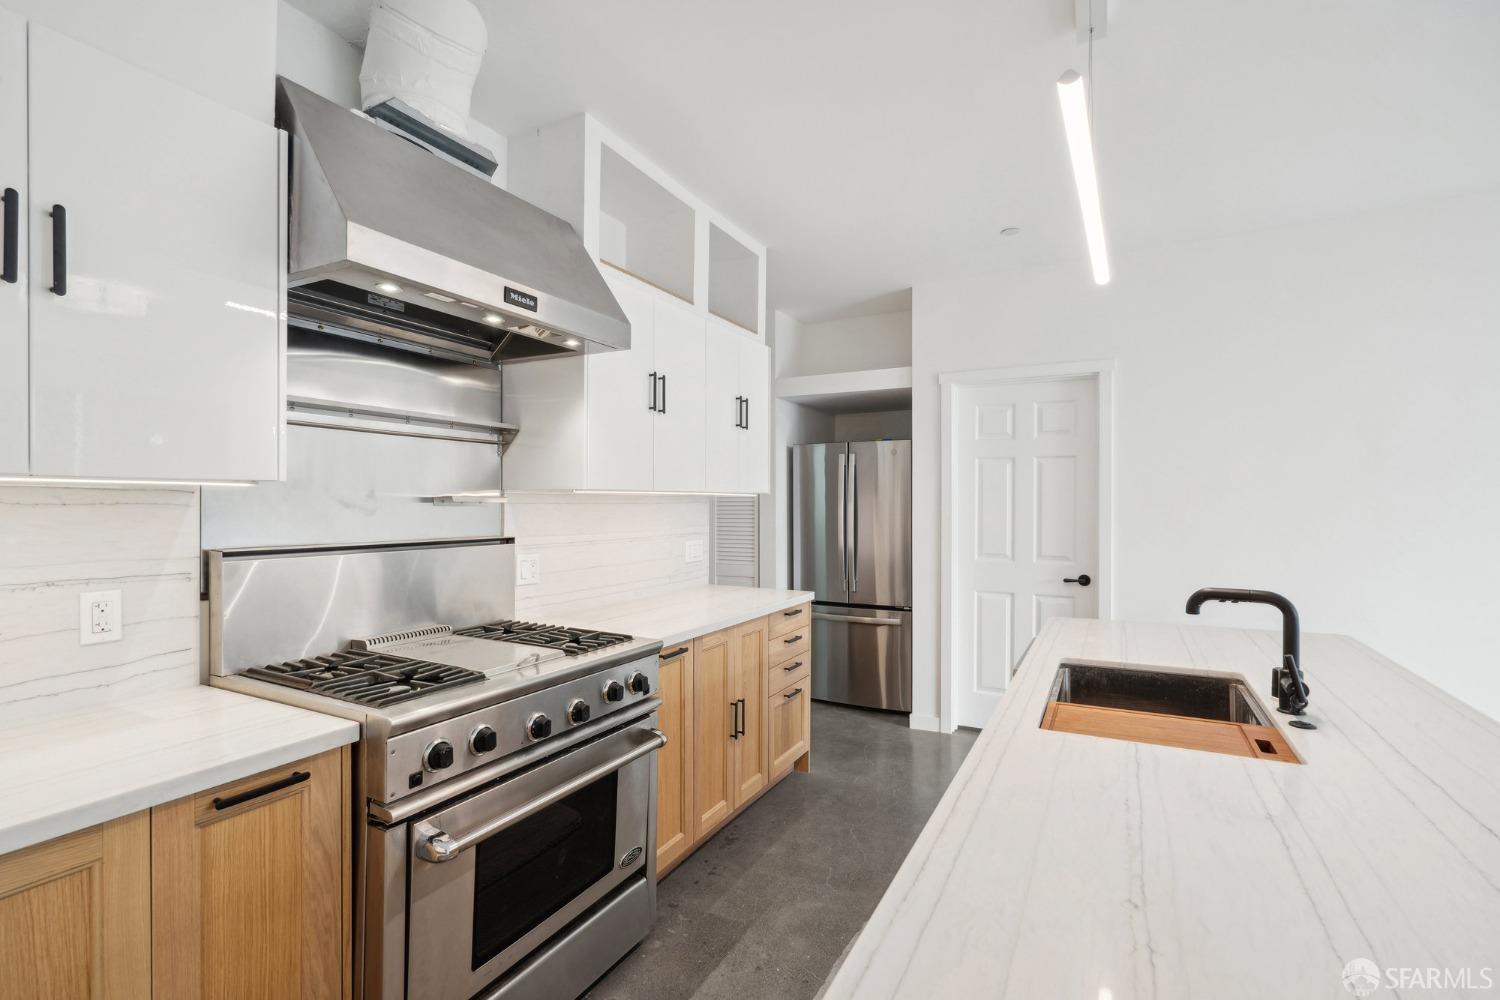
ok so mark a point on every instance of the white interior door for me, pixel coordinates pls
(1024, 506)
(13, 324)
(160, 358)
(681, 438)
(622, 395)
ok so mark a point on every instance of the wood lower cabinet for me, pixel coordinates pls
(720, 708)
(674, 764)
(249, 886)
(75, 915)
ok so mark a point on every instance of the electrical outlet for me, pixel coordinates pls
(528, 570)
(694, 551)
(99, 617)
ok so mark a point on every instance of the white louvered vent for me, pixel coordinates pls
(736, 541)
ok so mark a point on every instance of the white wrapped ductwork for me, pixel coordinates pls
(425, 53)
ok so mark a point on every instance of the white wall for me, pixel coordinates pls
(1309, 410)
(846, 345)
(871, 426)
(595, 547)
(57, 543)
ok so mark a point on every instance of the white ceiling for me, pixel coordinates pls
(875, 144)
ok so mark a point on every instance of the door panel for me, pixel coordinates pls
(751, 765)
(681, 437)
(713, 765)
(162, 360)
(755, 385)
(722, 415)
(862, 657)
(620, 395)
(1025, 518)
(789, 718)
(880, 547)
(13, 320)
(818, 520)
(674, 762)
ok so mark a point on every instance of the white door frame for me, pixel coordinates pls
(1103, 372)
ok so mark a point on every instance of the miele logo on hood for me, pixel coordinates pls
(520, 299)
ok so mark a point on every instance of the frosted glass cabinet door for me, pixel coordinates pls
(13, 284)
(160, 357)
(755, 449)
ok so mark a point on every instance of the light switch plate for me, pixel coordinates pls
(99, 617)
(694, 551)
(528, 570)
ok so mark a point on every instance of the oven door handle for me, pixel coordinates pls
(437, 846)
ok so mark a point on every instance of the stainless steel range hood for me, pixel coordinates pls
(391, 244)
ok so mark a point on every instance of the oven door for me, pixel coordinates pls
(495, 875)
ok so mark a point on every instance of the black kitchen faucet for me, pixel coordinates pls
(1286, 680)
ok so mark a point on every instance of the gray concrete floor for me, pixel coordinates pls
(766, 907)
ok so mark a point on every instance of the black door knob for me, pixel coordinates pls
(1082, 579)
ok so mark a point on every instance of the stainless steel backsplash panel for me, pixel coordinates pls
(269, 605)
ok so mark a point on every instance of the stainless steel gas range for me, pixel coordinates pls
(506, 774)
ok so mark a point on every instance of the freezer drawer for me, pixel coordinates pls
(862, 656)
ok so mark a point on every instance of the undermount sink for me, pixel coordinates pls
(1208, 712)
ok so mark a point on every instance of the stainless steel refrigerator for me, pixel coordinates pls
(851, 546)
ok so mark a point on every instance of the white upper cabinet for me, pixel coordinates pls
(144, 340)
(738, 411)
(685, 409)
(14, 279)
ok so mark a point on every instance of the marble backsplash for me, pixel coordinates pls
(59, 542)
(603, 547)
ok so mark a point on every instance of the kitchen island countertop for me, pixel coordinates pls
(1069, 866)
(679, 615)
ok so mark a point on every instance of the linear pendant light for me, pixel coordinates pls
(1073, 95)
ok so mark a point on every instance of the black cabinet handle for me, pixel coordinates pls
(59, 250)
(792, 666)
(795, 638)
(794, 692)
(674, 654)
(295, 778)
(734, 719)
(1082, 579)
(652, 377)
(792, 613)
(663, 394)
(746, 404)
(738, 410)
(12, 235)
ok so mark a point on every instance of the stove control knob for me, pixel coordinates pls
(539, 727)
(578, 711)
(439, 755)
(483, 740)
(639, 683)
(614, 691)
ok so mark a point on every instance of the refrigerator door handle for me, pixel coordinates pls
(843, 532)
(852, 559)
(820, 616)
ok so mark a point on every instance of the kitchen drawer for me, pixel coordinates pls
(790, 672)
(789, 718)
(782, 622)
(794, 642)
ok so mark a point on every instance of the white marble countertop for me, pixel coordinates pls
(678, 615)
(1069, 866)
(68, 772)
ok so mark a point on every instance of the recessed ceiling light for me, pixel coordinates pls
(570, 342)
(1011, 231)
(389, 287)
(493, 319)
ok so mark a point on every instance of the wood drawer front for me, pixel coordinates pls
(790, 645)
(782, 622)
(789, 721)
(790, 672)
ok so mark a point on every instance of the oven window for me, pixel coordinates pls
(527, 872)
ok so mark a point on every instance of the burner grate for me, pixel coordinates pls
(374, 679)
(571, 641)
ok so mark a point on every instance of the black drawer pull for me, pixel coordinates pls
(792, 666)
(12, 235)
(794, 692)
(674, 654)
(295, 778)
(795, 638)
(792, 613)
(59, 250)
